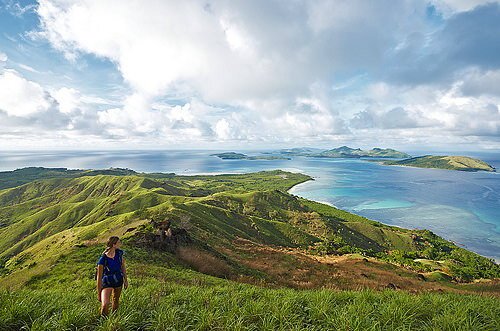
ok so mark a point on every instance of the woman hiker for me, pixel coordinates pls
(111, 275)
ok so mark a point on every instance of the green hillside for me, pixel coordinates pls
(43, 217)
(462, 163)
(348, 152)
(238, 228)
(345, 152)
(25, 175)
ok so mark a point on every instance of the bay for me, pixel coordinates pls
(460, 206)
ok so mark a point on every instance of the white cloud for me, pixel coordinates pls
(21, 97)
(312, 115)
(223, 130)
(227, 51)
(238, 40)
(28, 68)
(449, 7)
(396, 118)
(430, 116)
(265, 71)
(153, 45)
(28, 108)
(3, 57)
(68, 99)
(165, 122)
(134, 116)
(477, 83)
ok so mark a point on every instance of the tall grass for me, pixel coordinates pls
(225, 305)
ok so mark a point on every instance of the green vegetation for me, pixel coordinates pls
(193, 302)
(386, 152)
(239, 228)
(165, 295)
(346, 152)
(43, 217)
(340, 152)
(25, 175)
(463, 163)
(301, 151)
(240, 156)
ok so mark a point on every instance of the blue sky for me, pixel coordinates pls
(95, 74)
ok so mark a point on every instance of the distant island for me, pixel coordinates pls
(340, 152)
(241, 156)
(345, 152)
(298, 151)
(463, 163)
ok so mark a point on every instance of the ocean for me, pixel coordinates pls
(463, 207)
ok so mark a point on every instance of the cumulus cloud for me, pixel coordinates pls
(433, 117)
(467, 39)
(270, 71)
(396, 118)
(160, 120)
(222, 50)
(21, 97)
(28, 108)
(309, 116)
(466, 116)
(223, 130)
(450, 7)
(481, 121)
(478, 83)
(68, 99)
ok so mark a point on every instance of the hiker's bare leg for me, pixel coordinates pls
(116, 297)
(105, 296)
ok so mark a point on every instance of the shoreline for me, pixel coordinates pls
(293, 188)
(414, 167)
(339, 208)
(458, 244)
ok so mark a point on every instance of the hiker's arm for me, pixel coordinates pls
(124, 270)
(100, 269)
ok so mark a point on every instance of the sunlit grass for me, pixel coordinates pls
(224, 305)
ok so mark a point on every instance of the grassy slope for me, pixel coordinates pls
(463, 163)
(41, 218)
(243, 230)
(93, 206)
(25, 175)
(163, 295)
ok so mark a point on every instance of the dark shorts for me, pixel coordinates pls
(112, 280)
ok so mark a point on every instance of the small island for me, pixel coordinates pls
(241, 156)
(462, 163)
(345, 152)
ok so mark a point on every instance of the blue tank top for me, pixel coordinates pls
(113, 265)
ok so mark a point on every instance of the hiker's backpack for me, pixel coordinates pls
(120, 254)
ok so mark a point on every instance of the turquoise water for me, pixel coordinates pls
(460, 206)
(383, 204)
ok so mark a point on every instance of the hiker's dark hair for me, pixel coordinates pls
(111, 241)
